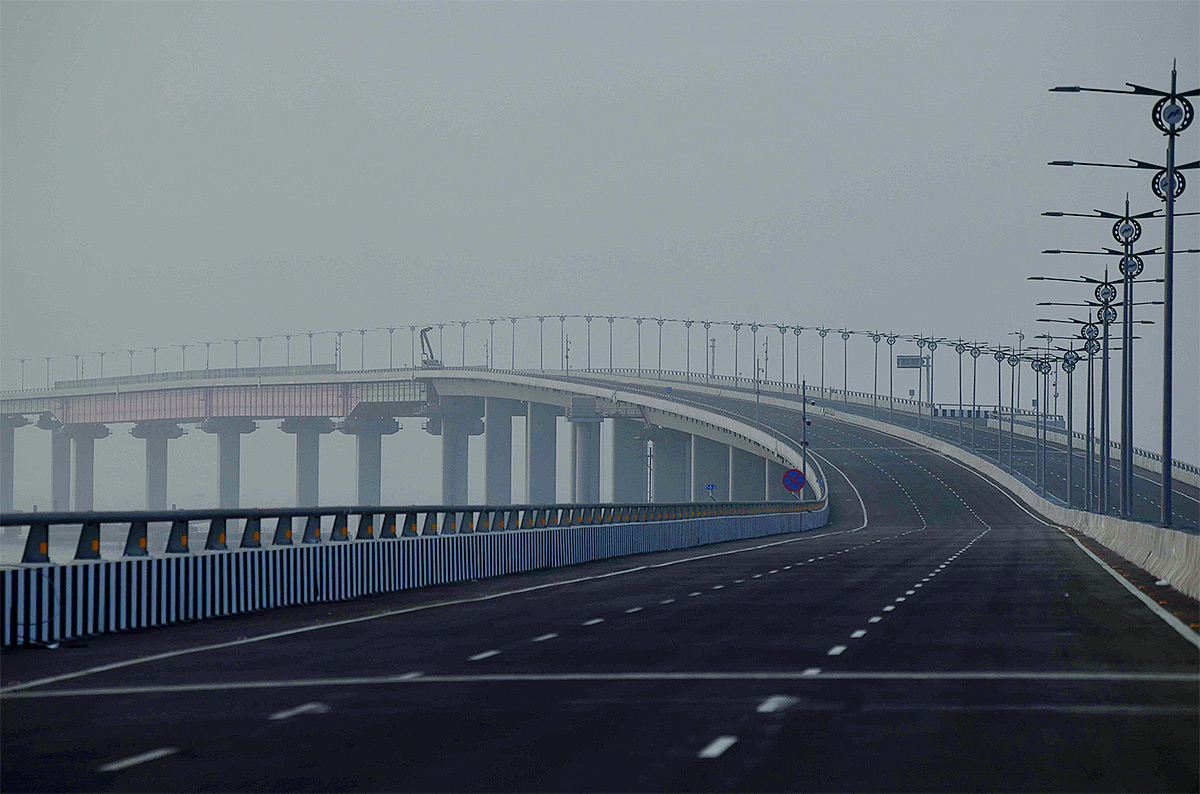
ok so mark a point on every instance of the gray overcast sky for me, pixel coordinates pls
(173, 172)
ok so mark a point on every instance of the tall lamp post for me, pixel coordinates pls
(975, 353)
(823, 332)
(796, 331)
(845, 368)
(875, 337)
(737, 374)
(639, 320)
(1172, 114)
(891, 340)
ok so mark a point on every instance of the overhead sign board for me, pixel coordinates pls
(909, 362)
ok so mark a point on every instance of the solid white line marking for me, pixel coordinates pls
(836, 650)
(631, 610)
(593, 621)
(775, 703)
(875, 619)
(485, 655)
(857, 634)
(545, 637)
(717, 746)
(307, 708)
(152, 755)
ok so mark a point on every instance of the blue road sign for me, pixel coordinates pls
(793, 480)
(712, 486)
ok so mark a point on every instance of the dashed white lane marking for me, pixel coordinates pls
(717, 746)
(875, 619)
(812, 671)
(775, 703)
(919, 584)
(718, 587)
(811, 560)
(485, 655)
(631, 610)
(858, 633)
(545, 637)
(593, 621)
(134, 760)
(910, 592)
(756, 576)
(307, 708)
(901, 598)
(739, 581)
(888, 608)
(693, 595)
(774, 571)
(836, 650)
(667, 601)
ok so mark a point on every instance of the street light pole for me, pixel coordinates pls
(845, 368)
(891, 340)
(875, 389)
(975, 352)
(736, 372)
(796, 332)
(542, 343)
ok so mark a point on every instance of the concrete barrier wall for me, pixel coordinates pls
(1168, 554)
(49, 603)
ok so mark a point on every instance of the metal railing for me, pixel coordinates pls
(333, 524)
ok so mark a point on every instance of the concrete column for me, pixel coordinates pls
(629, 461)
(710, 464)
(84, 437)
(587, 461)
(672, 465)
(455, 420)
(156, 434)
(8, 426)
(229, 451)
(775, 490)
(369, 433)
(60, 463)
(745, 476)
(585, 418)
(541, 450)
(497, 449)
(308, 431)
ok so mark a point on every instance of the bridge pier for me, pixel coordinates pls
(459, 420)
(497, 449)
(672, 466)
(585, 419)
(8, 425)
(308, 431)
(156, 434)
(775, 490)
(229, 451)
(628, 461)
(746, 479)
(369, 433)
(84, 437)
(541, 452)
(710, 464)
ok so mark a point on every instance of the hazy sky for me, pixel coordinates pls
(175, 172)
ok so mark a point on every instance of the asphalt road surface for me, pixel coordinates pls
(936, 636)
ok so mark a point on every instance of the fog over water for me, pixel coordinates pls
(175, 173)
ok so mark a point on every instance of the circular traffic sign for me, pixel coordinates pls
(891, 340)
(1108, 315)
(822, 332)
(960, 349)
(796, 331)
(1070, 357)
(999, 355)
(1106, 292)
(845, 335)
(932, 346)
(1068, 367)
(1091, 347)
(1090, 331)
(793, 479)
(1014, 361)
(875, 338)
(921, 343)
(975, 352)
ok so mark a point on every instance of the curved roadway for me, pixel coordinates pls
(935, 636)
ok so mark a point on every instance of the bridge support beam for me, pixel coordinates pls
(775, 490)
(629, 461)
(585, 419)
(460, 418)
(746, 479)
(497, 449)
(710, 465)
(157, 434)
(60, 463)
(84, 437)
(369, 433)
(8, 456)
(541, 452)
(229, 451)
(672, 465)
(308, 431)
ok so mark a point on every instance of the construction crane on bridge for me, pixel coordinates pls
(428, 360)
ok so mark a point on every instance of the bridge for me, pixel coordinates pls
(942, 580)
